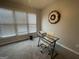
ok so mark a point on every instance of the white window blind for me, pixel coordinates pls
(6, 23)
(14, 23)
(21, 21)
(32, 22)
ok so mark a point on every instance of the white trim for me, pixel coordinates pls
(68, 48)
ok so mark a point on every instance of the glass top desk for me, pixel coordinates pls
(47, 42)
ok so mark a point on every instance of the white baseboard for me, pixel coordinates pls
(77, 53)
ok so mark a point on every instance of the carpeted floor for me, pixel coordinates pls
(24, 50)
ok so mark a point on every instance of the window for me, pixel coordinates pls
(6, 23)
(32, 22)
(21, 21)
(14, 23)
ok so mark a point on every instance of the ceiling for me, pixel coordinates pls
(39, 4)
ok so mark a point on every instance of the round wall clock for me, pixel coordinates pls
(54, 17)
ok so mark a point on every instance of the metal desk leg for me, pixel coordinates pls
(52, 51)
(39, 41)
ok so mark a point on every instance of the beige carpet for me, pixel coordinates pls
(24, 50)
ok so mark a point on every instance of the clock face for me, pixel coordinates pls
(54, 17)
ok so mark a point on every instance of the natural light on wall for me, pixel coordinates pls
(14, 23)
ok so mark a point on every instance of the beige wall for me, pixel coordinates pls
(67, 29)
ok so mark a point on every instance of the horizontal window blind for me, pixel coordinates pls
(14, 23)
